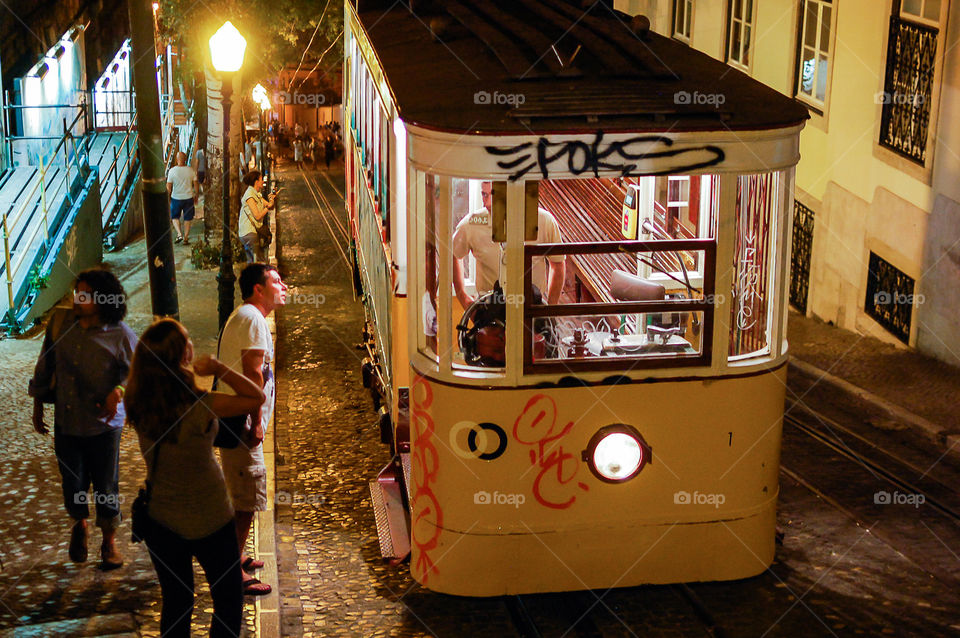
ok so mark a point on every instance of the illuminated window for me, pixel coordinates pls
(814, 51)
(739, 32)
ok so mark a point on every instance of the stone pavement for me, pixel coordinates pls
(914, 390)
(41, 592)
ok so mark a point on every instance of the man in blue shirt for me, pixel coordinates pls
(82, 367)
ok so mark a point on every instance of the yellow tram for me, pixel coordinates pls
(571, 238)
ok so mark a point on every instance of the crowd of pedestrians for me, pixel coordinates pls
(308, 148)
(98, 377)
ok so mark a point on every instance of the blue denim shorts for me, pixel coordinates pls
(184, 206)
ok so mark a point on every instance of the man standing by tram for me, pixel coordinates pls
(474, 235)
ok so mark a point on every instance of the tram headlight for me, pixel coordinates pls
(616, 453)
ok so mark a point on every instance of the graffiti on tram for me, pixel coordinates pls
(554, 485)
(623, 156)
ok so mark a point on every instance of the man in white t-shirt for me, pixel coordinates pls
(183, 187)
(247, 347)
(474, 235)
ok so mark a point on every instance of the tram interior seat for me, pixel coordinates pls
(627, 287)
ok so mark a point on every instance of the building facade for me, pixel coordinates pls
(877, 219)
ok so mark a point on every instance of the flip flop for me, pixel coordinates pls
(254, 587)
(251, 564)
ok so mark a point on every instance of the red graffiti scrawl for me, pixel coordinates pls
(427, 520)
(537, 427)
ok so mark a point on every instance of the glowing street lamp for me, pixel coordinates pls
(226, 53)
(260, 97)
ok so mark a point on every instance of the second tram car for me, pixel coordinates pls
(571, 238)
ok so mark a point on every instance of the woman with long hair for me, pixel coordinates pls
(176, 423)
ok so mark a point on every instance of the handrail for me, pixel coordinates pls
(120, 176)
(14, 262)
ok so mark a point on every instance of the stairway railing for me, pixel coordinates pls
(75, 162)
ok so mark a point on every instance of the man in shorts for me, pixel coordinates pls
(183, 187)
(247, 347)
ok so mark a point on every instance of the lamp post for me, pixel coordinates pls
(226, 53)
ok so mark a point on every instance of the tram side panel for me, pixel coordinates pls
(502, 502)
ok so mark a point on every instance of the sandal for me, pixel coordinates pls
(78, 542)
(250, 565)
(110, 558)
(253, 587)
(178, 239)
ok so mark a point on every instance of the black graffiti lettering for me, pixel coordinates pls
(582, 157)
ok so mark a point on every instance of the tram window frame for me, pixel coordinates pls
(706, 307)
(707, 199)
(772, 271)
(444, 350)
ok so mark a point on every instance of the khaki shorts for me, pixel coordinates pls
(246, 477)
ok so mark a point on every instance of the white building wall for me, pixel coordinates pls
(864, 196)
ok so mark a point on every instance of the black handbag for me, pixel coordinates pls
(231, 430)
(264, 234)
(140, 522)
(49, 393)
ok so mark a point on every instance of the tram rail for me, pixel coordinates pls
(890, 471)
(328, 213)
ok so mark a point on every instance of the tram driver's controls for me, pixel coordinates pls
(663, 334)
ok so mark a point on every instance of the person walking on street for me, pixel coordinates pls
(82, 369)
(184, 189)
(247, 346)
(253, 214)
(328, 149)
(298, 152)
(189, 508)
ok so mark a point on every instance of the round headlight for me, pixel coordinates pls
(616, 453)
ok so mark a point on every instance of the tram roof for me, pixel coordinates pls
(577, 71)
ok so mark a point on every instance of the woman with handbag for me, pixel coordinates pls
(253, 224)
(188, 509)
(81, 370)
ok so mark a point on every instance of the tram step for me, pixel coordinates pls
(392, 529)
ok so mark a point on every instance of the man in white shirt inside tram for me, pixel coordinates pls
(474, 235)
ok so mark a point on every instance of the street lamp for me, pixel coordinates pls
(226, 53)
(260, 97)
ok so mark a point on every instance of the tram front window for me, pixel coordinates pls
(623, 298)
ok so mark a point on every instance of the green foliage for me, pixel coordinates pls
(205, 255)
(37, 280)
(277, 32)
